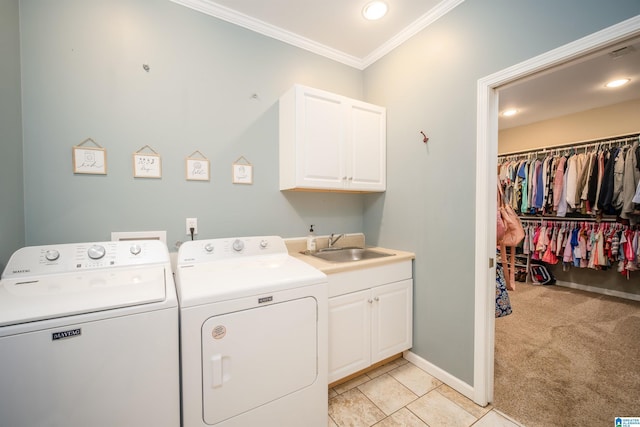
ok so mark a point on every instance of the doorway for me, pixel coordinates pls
(486, 163)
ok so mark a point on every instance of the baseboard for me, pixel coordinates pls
(453, 382)
(608, 292)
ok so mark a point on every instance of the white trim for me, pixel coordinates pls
(441, 9)
(211, 8)
(453, 382)
(486, 158)
(601, 291)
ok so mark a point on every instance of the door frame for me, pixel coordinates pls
(486, 181)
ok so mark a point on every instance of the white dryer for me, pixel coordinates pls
(253, 328)
(89, 336)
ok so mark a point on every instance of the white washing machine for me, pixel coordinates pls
(253, 335)
(89, 336)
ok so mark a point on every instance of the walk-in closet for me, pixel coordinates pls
(579, 205)
(568, 348)
(565, 353)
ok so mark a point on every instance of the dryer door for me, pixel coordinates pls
(255, 356)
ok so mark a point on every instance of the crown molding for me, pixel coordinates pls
(414, 28)
(226, 14)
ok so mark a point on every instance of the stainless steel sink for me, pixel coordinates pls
(347, 254)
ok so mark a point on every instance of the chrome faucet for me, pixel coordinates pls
(333, 241)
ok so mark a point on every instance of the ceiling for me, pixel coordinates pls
(574, 87)
(311, 25)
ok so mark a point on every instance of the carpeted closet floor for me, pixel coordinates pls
(567, 357)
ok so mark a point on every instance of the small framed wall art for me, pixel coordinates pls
(242, 171)
(147, 165)
(197, 168)
(89, 160)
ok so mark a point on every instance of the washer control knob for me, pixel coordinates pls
(208, 247)
(96, 252)
(238, 245)
(264, 243)
(135, 249)
(52, 255)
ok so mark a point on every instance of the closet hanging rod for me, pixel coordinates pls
(583, 144)
(539, 219)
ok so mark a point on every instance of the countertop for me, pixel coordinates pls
(296, 246)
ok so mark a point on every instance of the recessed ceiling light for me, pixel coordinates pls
(374, 10)
(617, 83)
(510, 112)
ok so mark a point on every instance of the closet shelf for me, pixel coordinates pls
(595, 143)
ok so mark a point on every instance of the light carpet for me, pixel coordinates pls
(567, 357)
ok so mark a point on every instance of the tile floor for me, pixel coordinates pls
(401, 394)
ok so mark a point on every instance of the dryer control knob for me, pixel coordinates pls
(264, 243)
(135, 249)
(96, 252)
(238, 245)
(208, 247)
(52, 255)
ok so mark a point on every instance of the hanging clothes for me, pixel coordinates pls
(573, 192)
(582, 244)
(631, 179)
(558, 183)
(601, 181)
(585, 179)
(605, 201)
(503, 304)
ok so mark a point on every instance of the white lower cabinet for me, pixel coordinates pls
(369, 325)
(349, 334)
(391, 320)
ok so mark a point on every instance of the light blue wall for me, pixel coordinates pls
(83, 78)
(11, 190)
(429, 83)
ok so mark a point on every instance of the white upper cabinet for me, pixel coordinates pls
(330, 142)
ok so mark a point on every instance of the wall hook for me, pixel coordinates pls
(425, 139)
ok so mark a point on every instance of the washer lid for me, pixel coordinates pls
(227, 279)
(43, 297)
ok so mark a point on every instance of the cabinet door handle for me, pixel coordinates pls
(370, 301)
(377, 298)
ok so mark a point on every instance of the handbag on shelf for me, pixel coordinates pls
(512, 236)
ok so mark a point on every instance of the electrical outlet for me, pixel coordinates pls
(192, 223)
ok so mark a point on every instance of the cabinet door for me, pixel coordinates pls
(349, 334)
(392, 319)
(330, 142)
(366, 163)
(320, 140)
